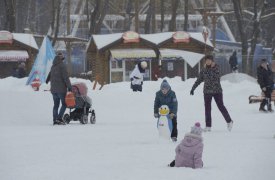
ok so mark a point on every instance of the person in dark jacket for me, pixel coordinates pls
(210, 75)
(21, 70)
(157, 73)
(233, 61)
(166, 96)
(265, 80)
(60, 83)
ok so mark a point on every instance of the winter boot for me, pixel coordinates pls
(263, 103)
(60, 122)
(270, 108)
(207, 129)
(174, 139)
(230, 125)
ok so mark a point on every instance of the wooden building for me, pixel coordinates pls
(112, 57)
(180, 53)
(14, 49)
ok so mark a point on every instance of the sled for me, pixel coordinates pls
(256, 99)
(164, 123)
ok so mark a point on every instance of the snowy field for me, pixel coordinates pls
(124, 143)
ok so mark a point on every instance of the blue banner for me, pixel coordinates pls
(43, 62)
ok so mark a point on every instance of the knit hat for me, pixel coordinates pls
(165, 85)
(209, 57)
(263, 61)
(143, 64)
(196, 129)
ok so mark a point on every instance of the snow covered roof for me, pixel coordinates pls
(161, 37)
(190, 57)
(132, 53)
(103, 40)
(199, 37)
(167, 17)
(157, 38)
(26, 39)
(13, 55)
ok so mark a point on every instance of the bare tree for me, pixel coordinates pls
(243, 36)
(256, 31)
(53, 9)
(127, 22)
(136, 16)
(31, 13)
(185, 27)
(153, 8)
(102, 16)
(150, 17)
(172, 25)
(10, 15)
(162, 12)
(94, 17)
(97, 16)
(55, 28)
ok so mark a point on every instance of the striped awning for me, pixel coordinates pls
(132, 53)
(13, 55)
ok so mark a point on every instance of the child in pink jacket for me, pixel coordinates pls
(189, 151)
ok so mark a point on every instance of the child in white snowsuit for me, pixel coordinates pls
(137, 76)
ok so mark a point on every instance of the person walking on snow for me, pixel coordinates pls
(233, 61)
(137, 76)
(21, 71)
(210, 75)
(265, 80)
(60, 83)
(166, 96)
(189, 151)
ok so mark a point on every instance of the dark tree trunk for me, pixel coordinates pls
(162, 11)
(136, 16)
(185, 27)
(243, 36)
(101, 17)
(53, 15)
(31, 15)
(127, 22)
(173, 23)
(10, 15)
(56, 26)
(256, 32)
(148, 19)
(153, 7)
(94, 17)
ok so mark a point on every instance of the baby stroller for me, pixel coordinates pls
(83, 106)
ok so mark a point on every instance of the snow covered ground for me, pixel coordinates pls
(124, 143)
